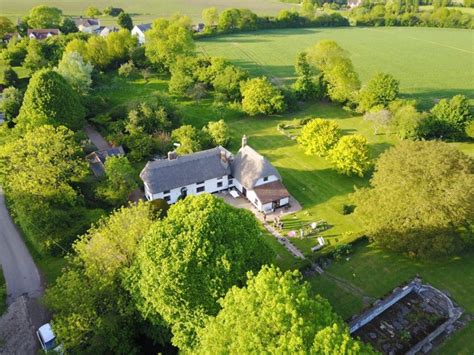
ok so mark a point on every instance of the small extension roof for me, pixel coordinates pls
(249, 166)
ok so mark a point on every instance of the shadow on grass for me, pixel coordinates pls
(426, 98)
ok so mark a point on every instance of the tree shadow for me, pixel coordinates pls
(426, 98)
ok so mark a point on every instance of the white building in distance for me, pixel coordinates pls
(139, 31)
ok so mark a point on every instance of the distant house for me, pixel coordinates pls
(199, 27)
(215, 170)
(43, 33)
(139, 31)
(97, 159)
(353, 3)
(7, 37)
(87, 25)
(104, 31)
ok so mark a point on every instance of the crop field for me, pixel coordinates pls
(143, 10)
(431, 63)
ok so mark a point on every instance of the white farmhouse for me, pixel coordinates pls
(215, 170)
(139, 31)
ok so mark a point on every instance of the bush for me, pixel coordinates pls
(260, 97)
(347, 209)
(10, 77)
(127, 70)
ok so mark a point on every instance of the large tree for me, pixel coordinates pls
(76, 72)
(259, 97)
(44, 17)
(379, 91)
(119, 180)
(318, 136)
(44, 163)
(6, 26)
(351, 155)
(191, 258)
(11, 102)
(275, 313)
(337, 70)
(167, 40)
(40, 172)
(124, 20)
(49, 99)
(210, 16)
(449, 117)
(420, 199)
(188, 138)
(305, 86)
(93, 311)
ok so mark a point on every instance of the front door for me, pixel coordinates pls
(244, 191)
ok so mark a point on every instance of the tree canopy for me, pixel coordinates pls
(168, 39)
(188, 138)
(44, 163)
(337, 70)
(318, 136)
(11, 102)
(449, 117)
(420, 199)
(276, 313)
(44, 17)
(351, 155)
(119, 180)
(6, 26)
(379, 91)
(260, 97)
(93, 311)
(76, 72)
(49, 99)
(191, 258)
(124, 20)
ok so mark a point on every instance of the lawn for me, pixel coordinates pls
(144, 10)
(378, 272)
(430, 63)
(311, 180)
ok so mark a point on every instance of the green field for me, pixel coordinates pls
(430, 63)
(143, 10)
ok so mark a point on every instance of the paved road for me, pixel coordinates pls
(20, 272)
(96, 138)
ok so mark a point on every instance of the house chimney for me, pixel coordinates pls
(244, 140)
(172, 155)
(224, 158)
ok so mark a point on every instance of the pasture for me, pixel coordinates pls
(431, 63)
(143, 10)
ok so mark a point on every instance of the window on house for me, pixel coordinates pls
(166, 192)
(166, 198)
(231, 182)
(265, 178)
(200, 189)
(200, 183)
(219, 184)
(256, 202)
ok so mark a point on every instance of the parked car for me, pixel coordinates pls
(47, 339)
